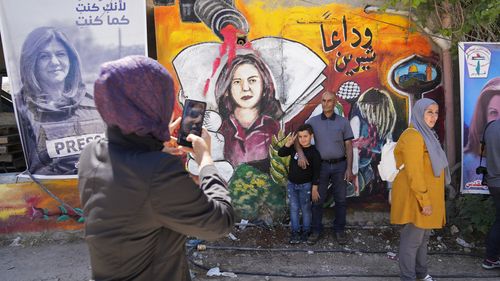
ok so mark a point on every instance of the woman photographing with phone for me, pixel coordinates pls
(418, 190)
(139, 202)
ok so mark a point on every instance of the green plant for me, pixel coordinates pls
(456, 20)
(473, 214)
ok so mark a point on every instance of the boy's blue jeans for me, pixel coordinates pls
(299, 198)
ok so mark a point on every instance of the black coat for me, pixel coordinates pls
(139, 205)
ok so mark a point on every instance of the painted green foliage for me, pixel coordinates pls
(279, 165)
(258, 195)
(255, 195)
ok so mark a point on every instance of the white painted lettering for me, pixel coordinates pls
(70, 145)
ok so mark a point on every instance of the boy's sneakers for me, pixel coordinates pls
(294, 238)
(489, 264)
(427, 278)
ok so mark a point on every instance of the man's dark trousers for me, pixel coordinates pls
(493, 238)
(331, 173)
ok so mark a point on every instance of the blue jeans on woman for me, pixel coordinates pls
(299, 198)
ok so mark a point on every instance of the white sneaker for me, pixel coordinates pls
(427, 278)
(489, 264)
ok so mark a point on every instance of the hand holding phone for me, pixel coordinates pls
(192, 121)
(201, 148)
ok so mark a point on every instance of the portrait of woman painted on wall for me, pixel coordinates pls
(487, 109)
(246, 99)
(57, 116)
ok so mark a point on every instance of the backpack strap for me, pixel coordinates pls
(403, 165)
(483, 143)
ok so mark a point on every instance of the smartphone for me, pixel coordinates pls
(192, 120)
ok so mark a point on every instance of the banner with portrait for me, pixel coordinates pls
(53, 50)
(480, 98)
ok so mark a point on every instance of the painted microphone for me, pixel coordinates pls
(218, 14)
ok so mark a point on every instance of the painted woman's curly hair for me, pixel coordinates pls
(377, 107)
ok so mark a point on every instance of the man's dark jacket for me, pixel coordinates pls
(139, 204)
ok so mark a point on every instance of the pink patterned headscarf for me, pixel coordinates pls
(136, 94)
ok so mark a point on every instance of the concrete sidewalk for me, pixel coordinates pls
(64, 256)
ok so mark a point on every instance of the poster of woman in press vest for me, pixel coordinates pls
(53, 50)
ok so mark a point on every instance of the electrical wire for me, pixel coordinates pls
(44, 188)
(192, 246)
(344, 250)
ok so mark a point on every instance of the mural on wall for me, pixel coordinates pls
(373, 118)
(415, 76)
(24, 207)
(262, 67)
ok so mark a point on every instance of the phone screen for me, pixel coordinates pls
(192, 120)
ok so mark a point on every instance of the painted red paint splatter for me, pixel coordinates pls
(32, 200)
(32, 211)
(229, 46)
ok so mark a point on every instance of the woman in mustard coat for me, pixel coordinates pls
(418, 190)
